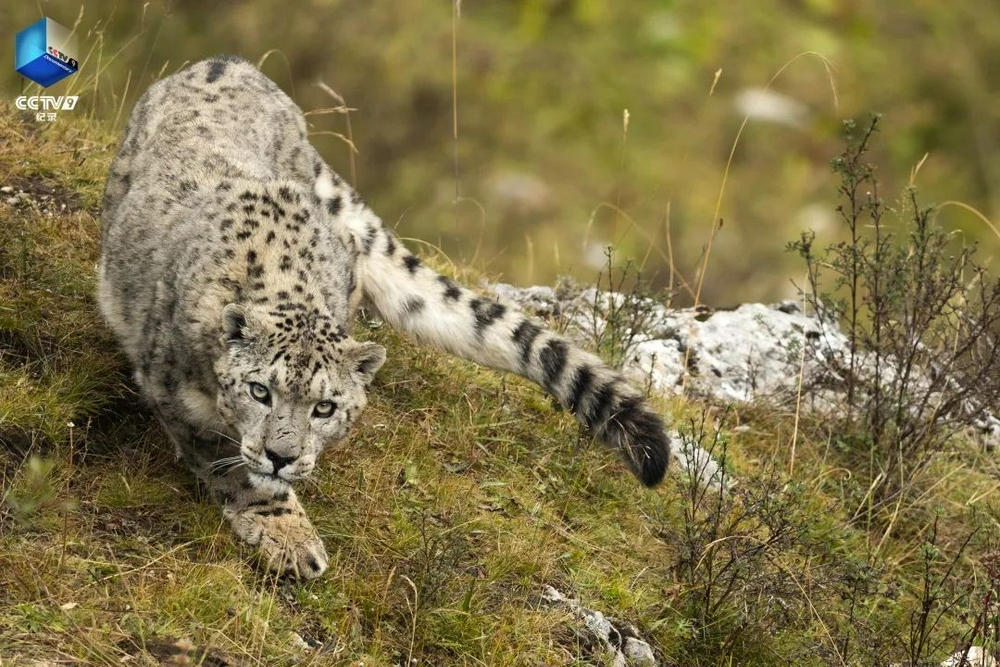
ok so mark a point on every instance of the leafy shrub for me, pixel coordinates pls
(921, 316)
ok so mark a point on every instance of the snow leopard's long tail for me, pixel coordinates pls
(435, 310)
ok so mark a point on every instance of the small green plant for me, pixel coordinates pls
(35, 494)
(734, 583)
(921, 317)
(621, 310)
(940, 592)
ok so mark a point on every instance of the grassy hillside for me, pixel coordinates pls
(462, 493)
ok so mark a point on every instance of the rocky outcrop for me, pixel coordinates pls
(748, 353)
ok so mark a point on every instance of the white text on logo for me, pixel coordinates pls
(45, 102)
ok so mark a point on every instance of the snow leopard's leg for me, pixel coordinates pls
(435, 310)
(269, 518)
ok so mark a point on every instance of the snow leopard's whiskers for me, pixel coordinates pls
(225, 460)
(227, 464)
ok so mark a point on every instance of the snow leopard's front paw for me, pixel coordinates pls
(290, 551)
(288, 543)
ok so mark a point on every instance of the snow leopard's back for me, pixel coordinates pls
(219, 118)
(193, 140)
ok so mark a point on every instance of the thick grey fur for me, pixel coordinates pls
(233, 261)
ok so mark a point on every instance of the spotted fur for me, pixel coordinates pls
(233, 261)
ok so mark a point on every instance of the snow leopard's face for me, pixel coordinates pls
(291, 383)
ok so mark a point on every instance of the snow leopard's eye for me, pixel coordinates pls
(324, 409)
(260, 393)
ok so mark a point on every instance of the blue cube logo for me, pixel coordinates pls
(45, 52)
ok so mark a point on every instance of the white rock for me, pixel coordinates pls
(639, 653)
(975, 657)
(550, 594)
(599, 626)
(662, 361)
(698, 463)
(632, 653)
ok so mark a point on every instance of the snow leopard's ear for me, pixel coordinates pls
(365, 360)
(234, 322)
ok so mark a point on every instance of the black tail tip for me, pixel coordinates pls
(650, 458)
(640, 437)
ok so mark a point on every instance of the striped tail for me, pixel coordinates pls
(433, 309)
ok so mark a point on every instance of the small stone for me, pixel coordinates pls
(633, 652)
(12, 201)
(597, 624)
(6, 189)
(550, 594)
(639, 653)
(298, 642)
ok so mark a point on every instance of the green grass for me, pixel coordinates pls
(462, 493)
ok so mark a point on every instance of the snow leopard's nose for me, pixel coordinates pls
(277, 460)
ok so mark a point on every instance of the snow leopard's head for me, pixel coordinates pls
(291, 382)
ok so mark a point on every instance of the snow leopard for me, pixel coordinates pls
(233, 263)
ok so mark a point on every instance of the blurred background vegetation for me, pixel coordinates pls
(548, 172)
